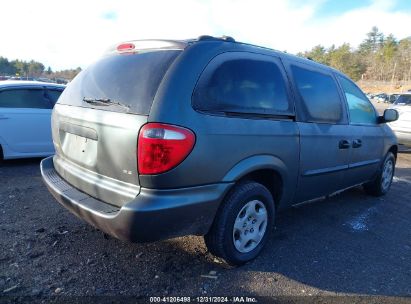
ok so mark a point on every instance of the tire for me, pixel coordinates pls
(243, 242)
(382, 183)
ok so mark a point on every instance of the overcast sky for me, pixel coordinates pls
(68, 34)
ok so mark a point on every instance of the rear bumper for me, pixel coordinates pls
(151, 216)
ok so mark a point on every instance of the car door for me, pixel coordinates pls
(25, 124)
(324, 136)
(367, 135)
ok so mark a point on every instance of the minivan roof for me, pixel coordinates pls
(146, 44)
(165, 44)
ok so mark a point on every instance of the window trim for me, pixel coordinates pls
(299, 103)
(218, 59)
(347, 106)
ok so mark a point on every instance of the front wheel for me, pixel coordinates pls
(383, 181)
(243, 224)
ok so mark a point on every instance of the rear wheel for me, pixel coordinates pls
(383, 181)
(243, 224)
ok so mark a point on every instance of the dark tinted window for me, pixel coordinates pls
(319, 94)
(241, 85)
(403, 99)
(53, 95)
(360, 108)
(130, 79)
(24, 98)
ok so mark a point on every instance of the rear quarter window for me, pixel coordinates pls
(244, 83)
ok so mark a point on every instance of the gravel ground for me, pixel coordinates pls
(348, 244)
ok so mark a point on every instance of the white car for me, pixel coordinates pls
(25, 113)
(402, 127)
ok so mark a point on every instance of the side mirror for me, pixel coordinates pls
(389, 116)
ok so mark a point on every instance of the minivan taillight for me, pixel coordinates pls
(162, 147)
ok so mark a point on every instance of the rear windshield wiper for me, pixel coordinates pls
(104, 102)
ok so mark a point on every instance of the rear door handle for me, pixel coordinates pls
(3, 117)
(356, 143)
(344, 144)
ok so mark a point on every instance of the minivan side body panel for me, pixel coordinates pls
(226, 142)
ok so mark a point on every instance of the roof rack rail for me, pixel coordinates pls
(210, 38)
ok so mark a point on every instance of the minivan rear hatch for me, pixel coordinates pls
(96, 121)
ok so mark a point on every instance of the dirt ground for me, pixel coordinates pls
(349, 244)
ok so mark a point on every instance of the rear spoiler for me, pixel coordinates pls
(137, 46)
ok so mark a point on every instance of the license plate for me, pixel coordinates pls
(80, 149)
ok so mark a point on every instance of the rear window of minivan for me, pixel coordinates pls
(128, 79)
